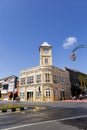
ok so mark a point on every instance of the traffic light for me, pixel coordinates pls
(73, 57)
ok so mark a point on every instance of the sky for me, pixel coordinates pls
(26, 24)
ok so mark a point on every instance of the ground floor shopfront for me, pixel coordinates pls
(45, 92)
(9, 95)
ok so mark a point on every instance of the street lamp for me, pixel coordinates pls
(13, 95)
(73, 56)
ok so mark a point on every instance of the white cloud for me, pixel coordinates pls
(69, 42)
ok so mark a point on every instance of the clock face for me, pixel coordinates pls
(45, 51)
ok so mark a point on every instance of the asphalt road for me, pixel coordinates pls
(47, 116)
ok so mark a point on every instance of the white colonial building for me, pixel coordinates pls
(45, 82)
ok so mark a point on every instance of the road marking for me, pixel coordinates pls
(44, 122)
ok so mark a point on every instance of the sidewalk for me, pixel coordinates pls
(80, 101)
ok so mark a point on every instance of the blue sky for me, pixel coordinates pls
(26, 24)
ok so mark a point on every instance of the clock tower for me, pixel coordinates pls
(45, 54)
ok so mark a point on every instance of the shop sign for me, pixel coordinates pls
(3, 91)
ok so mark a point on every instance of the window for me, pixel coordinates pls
(5, 87)
(47, 77)
(38, 78)
(55, 79)
(22, 81)
(56, 92)
(5, 96)
(46, 61)
(38, 94)
(62, 80)
(47, 93)
(22, 95)
(30, 79)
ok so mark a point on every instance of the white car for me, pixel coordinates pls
(81, 96)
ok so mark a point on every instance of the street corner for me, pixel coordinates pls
(14, 110)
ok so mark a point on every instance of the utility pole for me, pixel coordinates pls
(13, 91)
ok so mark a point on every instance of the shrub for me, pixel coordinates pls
(10, 106)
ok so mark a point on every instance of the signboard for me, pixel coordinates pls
(3, 91)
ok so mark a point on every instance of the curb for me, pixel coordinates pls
(16, 109)
(75, 101)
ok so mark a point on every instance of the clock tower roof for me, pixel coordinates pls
(45, 44)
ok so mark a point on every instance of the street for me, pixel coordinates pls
(56, 115)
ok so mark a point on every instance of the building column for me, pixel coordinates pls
(42, 94)
(2, 96)
(34, 98)
(25, 93)
(52, 95)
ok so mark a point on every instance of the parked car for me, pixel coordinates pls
(74, 98)
(81, 96)
(85, 95)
